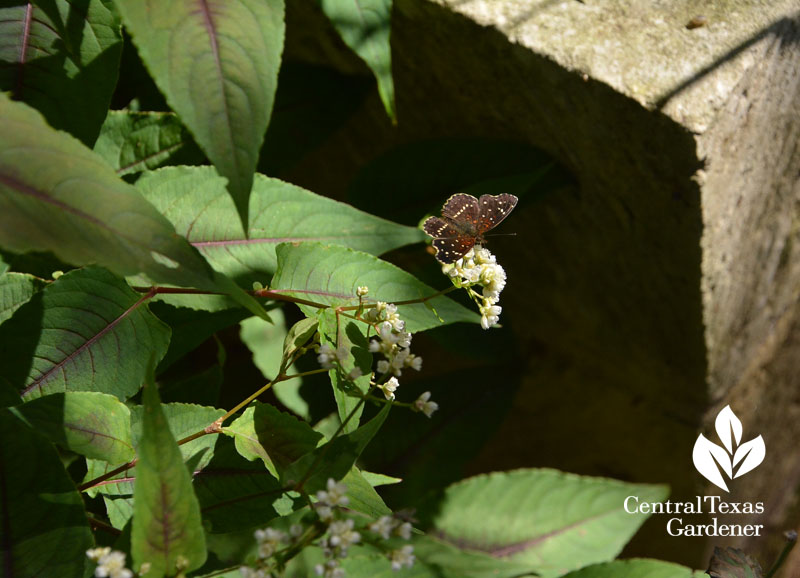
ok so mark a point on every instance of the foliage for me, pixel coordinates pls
(163, 242)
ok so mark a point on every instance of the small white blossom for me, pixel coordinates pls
(490, 315)
(362, 291)
(342, 535)
(389, 388)
(424, 405)
(248, 572)
(330, 569)
(383, 526)
(110, 563)
(414, 362)
(354, 374)
(325, 356)
(402, 557)
(404, 531)
(335, 494)
(269, 541)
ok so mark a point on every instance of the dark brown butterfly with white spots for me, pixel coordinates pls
(464, 221)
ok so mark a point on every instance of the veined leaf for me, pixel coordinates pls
(62, 58)
(39, 507)
(553, 521)
(330, 275)
(365, 26)
(56, 195)
(733, 563)
(237, 494)
(217, 64)
(190, 328)
(194, 200)
(351, 336)
(16, 289)
(184, 419)
(335, 458)
(86, 331)
(636, 568)
(363, 497)
(132, 142)
(444, 560)
(276, 438)
(167, 531)
(95, 425)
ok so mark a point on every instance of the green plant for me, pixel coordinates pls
(109, 444)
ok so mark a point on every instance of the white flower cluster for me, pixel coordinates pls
(479, 267)
(327, 355)
(333, 497)
(341, 534)
(388, 526)
(269, 541)
(402, 557)
(110, 563)
(393, 341)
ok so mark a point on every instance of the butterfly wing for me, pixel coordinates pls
(450, 243)
(493, 209)
(462, 208)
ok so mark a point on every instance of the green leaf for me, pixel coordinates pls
(190, 328)
(95, 425)
(194, 200)
(265, 342)
(217, 65)
(335, 458)
(39, 507)
(330, 275)
(86, 331)
(299, 335)
(200, 385)
(15, 290)
(62, 58)
(363, 497)
(374, 479)
(365, 25)
(58, 196)
(236, 494)
(554, 522)
(278, 439)
(351, 336)
(184, 419)
(132, 142)
(167, 531)
(437, 558)
(635, 568)
(733, 563)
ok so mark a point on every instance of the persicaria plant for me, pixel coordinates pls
(146, 241)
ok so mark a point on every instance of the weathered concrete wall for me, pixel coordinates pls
(667, 284)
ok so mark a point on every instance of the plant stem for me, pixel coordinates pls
(791, 540)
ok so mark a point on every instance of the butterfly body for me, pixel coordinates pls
(464, 221)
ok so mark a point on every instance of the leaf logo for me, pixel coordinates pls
(709, 458)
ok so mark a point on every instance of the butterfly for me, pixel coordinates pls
(464, 221)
